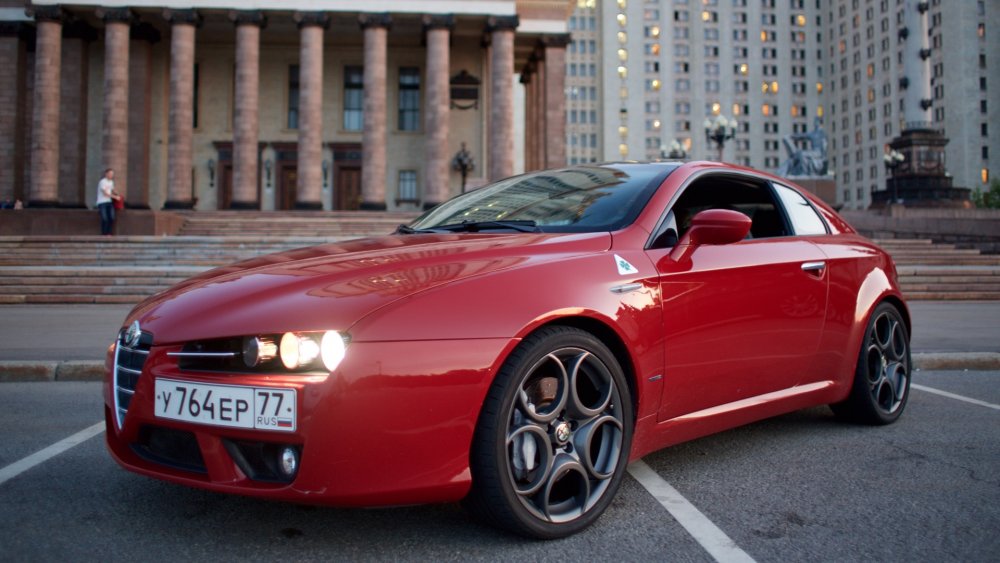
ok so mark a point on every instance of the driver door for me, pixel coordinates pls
(744, 319)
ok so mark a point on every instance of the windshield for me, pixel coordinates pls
(579, 199)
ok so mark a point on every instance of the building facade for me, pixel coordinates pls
(660, 68)
(296, 104)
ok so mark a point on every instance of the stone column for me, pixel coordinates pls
(44, 191)
(437, 114)
(373, 140)
(530, 79)
(73, 180)
(309, 193)
(140, 109)
(180, 147)
(527, 80)
(114, 140)
(554, 49)
(501, 124)
(540, 125)
(14, 40)
(246, 118)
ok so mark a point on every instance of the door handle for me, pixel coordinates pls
(814, 268)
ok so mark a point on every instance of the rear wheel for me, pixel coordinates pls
(553, 438)
(882, 378)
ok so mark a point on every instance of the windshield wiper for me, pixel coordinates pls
(477, 226)
(473, 227)
(408, 230)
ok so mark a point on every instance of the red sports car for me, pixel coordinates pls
(514, 347)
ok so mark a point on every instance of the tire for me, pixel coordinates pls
(553, 438)
(881, 386)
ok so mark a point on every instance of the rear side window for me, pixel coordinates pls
(805, 220)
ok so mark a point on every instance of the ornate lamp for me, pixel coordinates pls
(892, 160)
(720, 130)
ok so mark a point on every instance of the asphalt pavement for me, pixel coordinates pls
(798, 487)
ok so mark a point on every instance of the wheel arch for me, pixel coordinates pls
(607, 335)
(904, 311)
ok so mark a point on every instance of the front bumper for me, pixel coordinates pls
(392, 425)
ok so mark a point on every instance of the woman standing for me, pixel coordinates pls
(105, 201)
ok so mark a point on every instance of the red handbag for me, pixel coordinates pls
(118, 203)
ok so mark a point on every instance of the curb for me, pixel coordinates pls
(985, 361)
(93, 370)
(89, 370)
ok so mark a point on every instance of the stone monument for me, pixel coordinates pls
(808, 167)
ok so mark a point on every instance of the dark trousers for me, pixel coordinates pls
(107, 211)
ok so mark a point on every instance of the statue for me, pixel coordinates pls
(811, 162)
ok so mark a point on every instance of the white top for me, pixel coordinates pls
(104, 188)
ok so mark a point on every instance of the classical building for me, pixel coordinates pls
(652, 71)
(295, 104)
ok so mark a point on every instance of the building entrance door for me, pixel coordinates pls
(346, 176)
(348, 188)
(286, 177)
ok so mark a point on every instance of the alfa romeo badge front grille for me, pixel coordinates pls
(131, 349)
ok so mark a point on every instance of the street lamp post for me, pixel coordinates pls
(676, 151)
(892, 160)
(720, 130)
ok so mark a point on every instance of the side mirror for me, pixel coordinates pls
(712, 226)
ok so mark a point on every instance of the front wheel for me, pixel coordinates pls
(553, 438)
(881, 385)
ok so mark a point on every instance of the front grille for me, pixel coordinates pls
(128, 369)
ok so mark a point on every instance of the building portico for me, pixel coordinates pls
(222, 108)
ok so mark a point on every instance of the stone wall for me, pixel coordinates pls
(978, 227)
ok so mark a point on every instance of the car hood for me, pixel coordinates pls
(333, 286)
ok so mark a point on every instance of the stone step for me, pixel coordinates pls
(128, 269)
(952, 296)
(81, 281)
(71, 299)
(963, 286)
(82, 289)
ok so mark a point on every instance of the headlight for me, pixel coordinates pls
(300, 349)
(303, 352)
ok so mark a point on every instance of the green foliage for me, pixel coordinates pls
(989, 199)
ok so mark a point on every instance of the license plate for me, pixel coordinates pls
(235, 406)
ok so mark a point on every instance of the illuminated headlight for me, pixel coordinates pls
(300, 349)
(258, 350)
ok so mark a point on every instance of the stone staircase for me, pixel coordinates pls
(128, 269)
(265, 224)
(934, 271)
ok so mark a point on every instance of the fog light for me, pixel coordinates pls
(288, 462)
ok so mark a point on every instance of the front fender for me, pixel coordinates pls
(513, 303)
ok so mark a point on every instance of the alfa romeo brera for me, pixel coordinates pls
(514, 347)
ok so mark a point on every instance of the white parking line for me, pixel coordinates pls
(954, 396)
(41, 456)
(714, 540)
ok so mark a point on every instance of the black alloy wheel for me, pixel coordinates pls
(553, 438)
(881, 385)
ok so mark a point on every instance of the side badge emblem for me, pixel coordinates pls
(624, 267)
(133, 334)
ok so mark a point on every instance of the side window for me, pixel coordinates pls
(752, 198)
(805, 220)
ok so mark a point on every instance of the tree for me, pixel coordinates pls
(988, 199)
